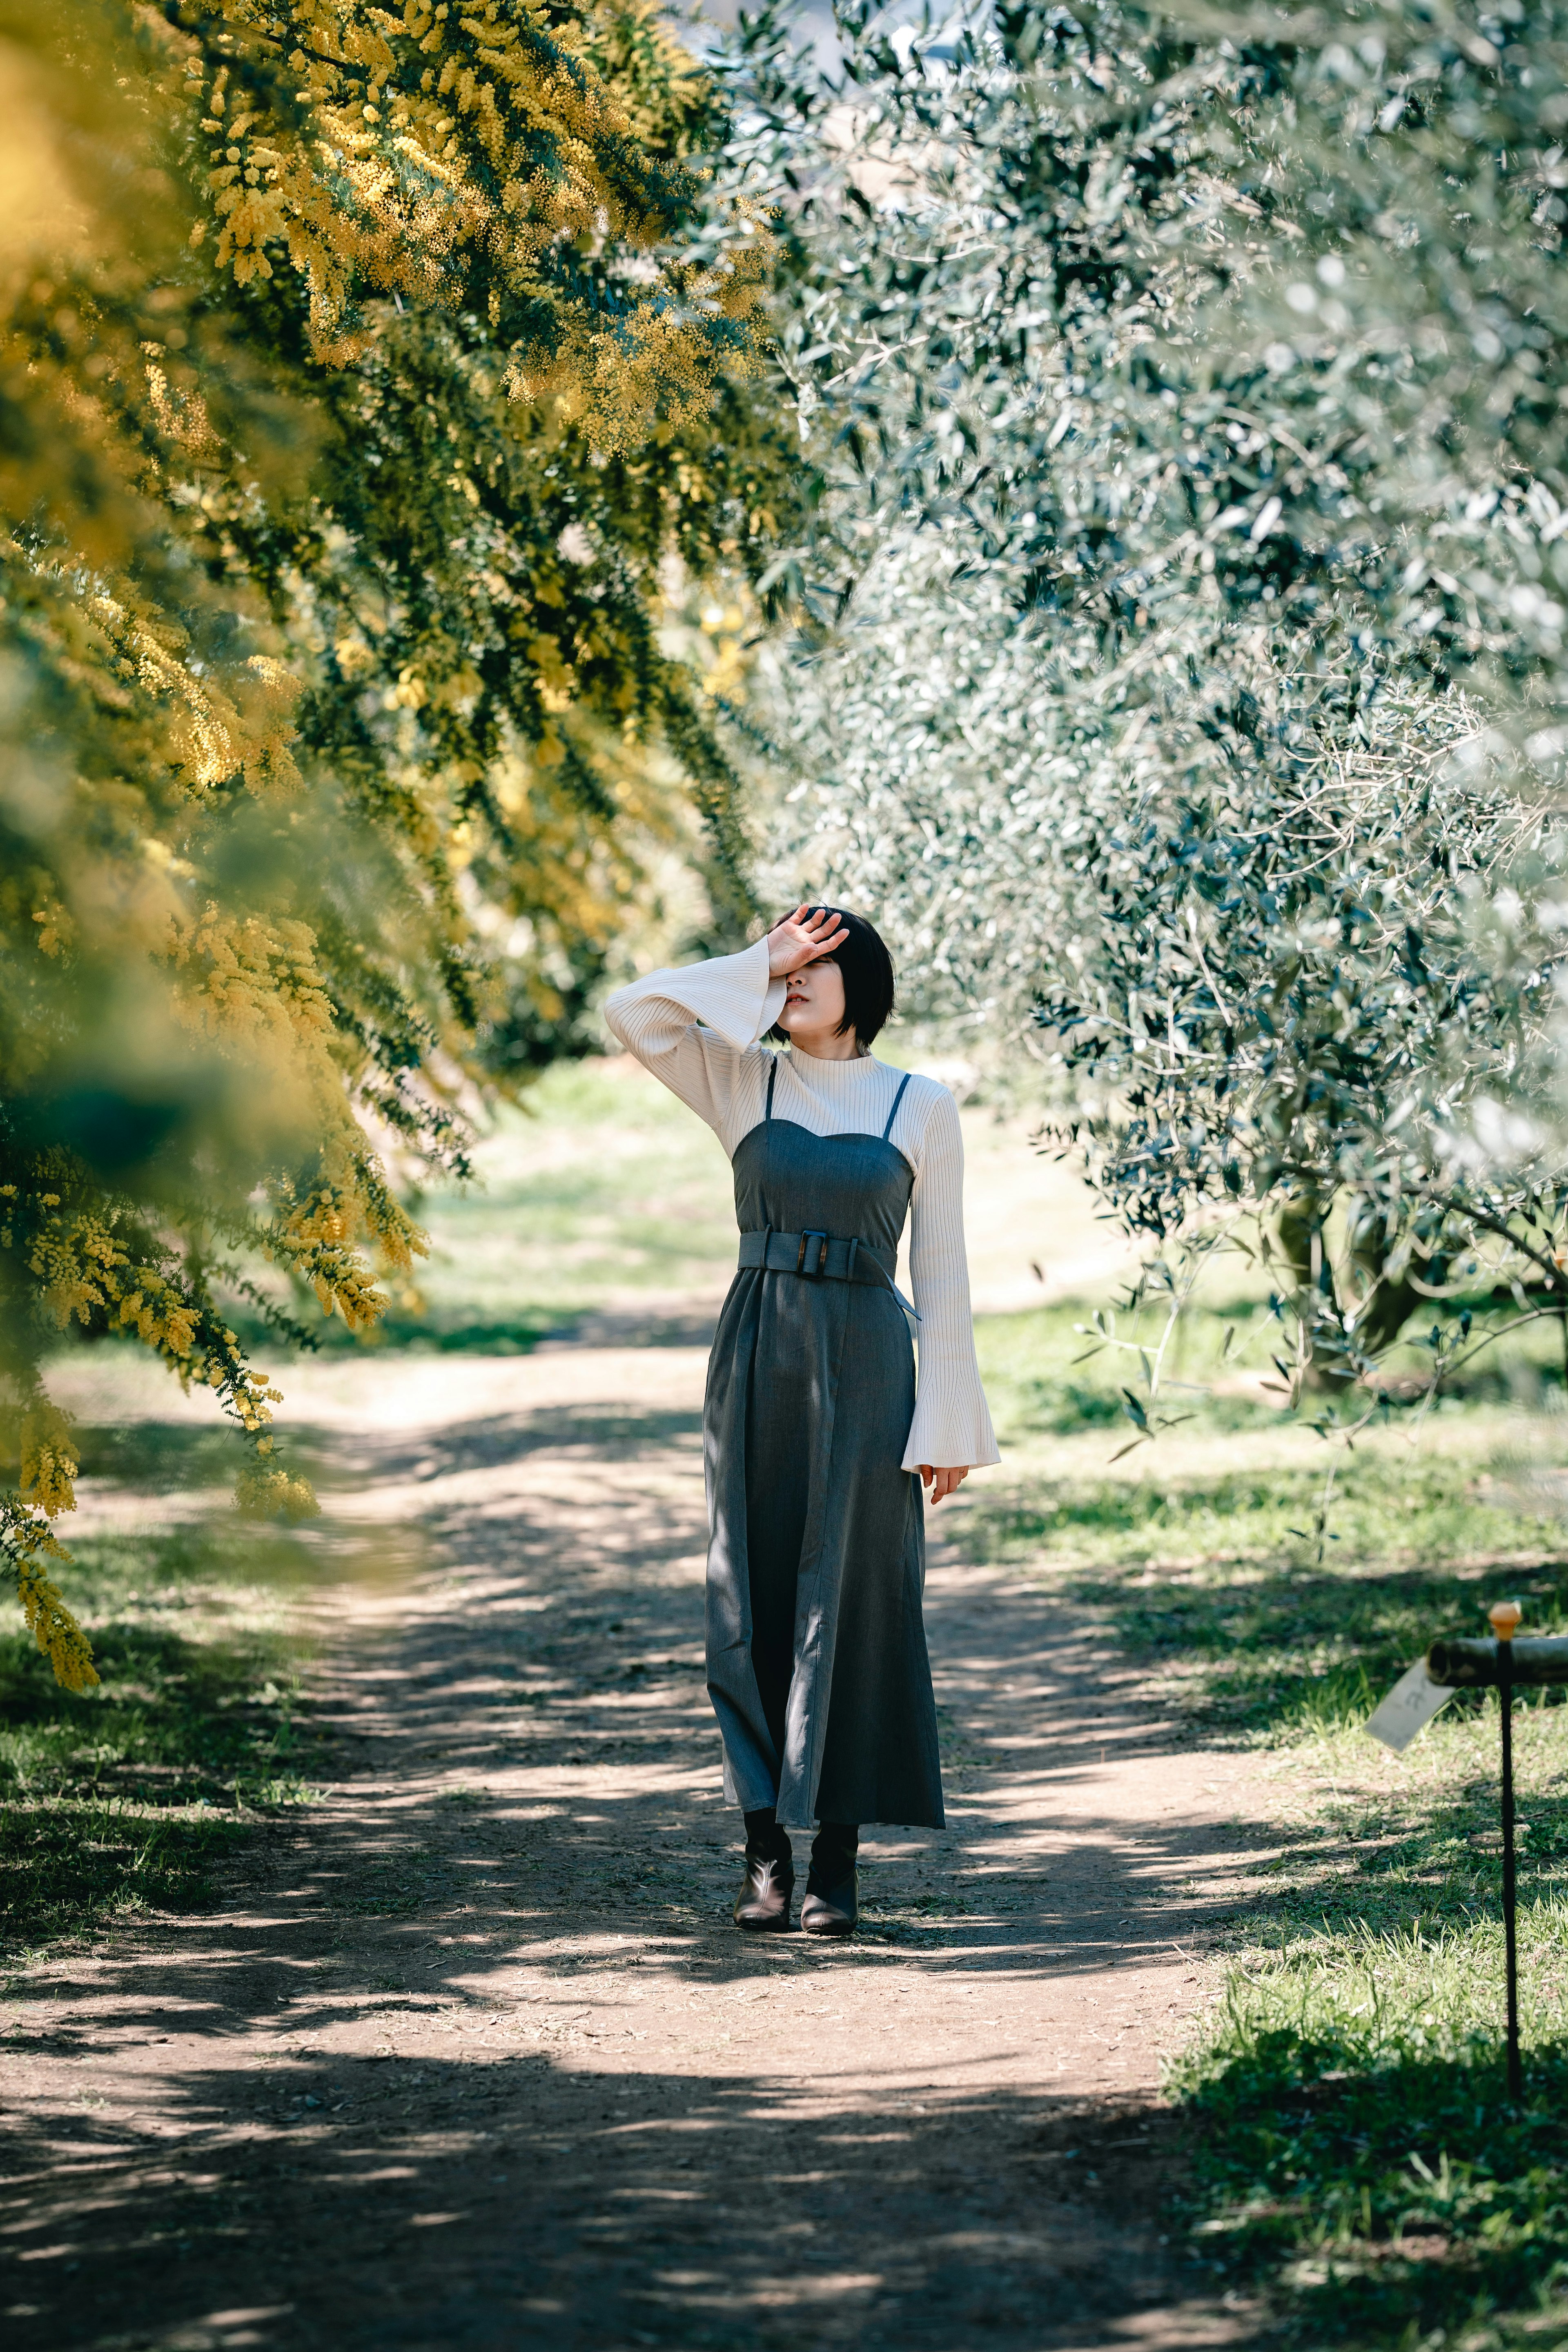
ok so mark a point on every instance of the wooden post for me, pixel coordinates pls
(1505, 1620)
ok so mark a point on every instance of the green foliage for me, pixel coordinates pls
(1357, 2155)
(130, 1797)
(1186, 398)
(370, 379)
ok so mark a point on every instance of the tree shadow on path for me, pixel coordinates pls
(472, 2056)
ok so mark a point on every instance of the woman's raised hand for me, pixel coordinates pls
(799, 938)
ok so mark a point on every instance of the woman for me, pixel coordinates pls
(816, 1445)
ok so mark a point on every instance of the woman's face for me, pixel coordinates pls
(814, 1000)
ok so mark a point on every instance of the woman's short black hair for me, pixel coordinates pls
(869, 983)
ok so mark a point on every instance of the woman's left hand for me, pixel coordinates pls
(943, 1482)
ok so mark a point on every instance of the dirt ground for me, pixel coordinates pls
(470, 2055)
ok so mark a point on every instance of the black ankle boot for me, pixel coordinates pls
(766, 1889)
(832, 1904)
(763, 1900)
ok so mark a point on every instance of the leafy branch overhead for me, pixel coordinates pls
(472, 161)
(365, 374)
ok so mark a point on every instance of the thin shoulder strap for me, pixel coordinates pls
(772, 1074)
(897, 1098)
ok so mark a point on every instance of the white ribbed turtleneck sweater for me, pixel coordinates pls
(697, 1030)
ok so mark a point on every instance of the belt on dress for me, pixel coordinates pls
(824, 1255)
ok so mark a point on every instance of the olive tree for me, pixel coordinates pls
(1179, 637)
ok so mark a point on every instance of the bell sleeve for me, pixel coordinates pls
(695, 1029)
(952, 1423)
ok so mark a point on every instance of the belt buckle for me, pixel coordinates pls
(800, 1264)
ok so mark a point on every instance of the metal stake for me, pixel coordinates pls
(1505, 1618)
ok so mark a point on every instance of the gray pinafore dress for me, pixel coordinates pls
(817, 1653)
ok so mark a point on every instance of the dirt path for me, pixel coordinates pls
(473, 2057)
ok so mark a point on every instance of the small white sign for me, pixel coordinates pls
(1414, 1701)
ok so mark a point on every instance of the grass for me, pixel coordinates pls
(602, 1193)
(1218, 1587)
(1358, 2158)
(1274, 1583)
(127, 1798)
(1058, 1370)
(1355, 2161)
